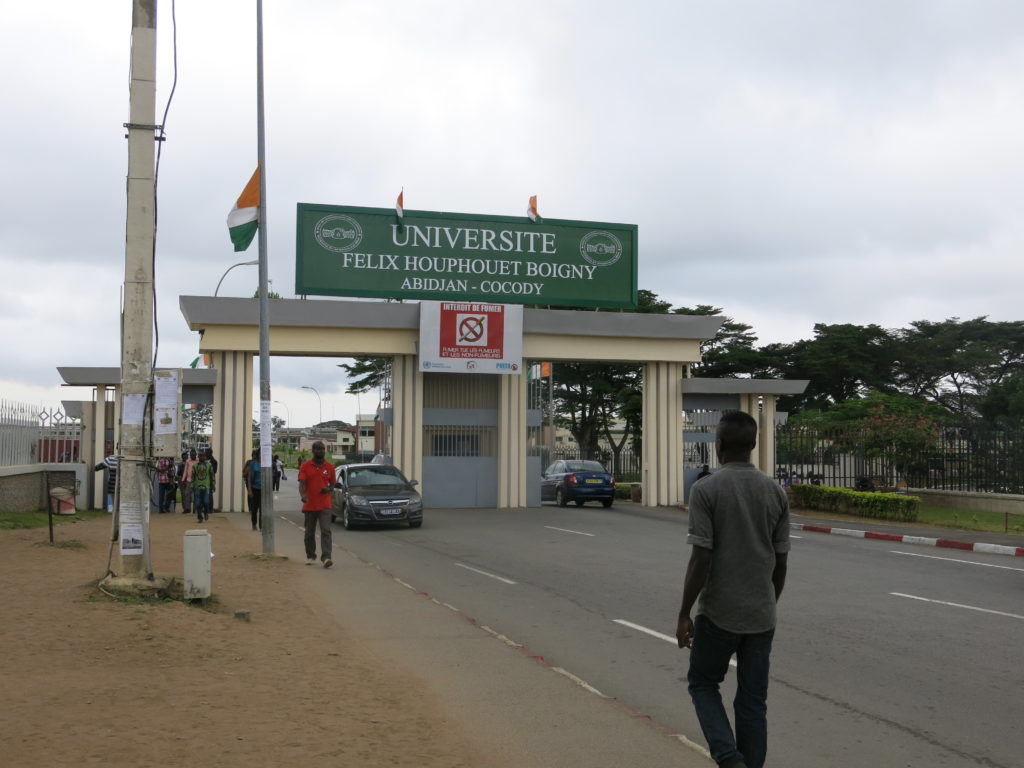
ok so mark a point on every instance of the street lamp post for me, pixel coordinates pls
(286, 410)
(321, 402)
(253, 263)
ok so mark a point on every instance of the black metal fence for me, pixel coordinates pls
(976, 457)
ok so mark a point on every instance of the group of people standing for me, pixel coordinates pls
(195, 476)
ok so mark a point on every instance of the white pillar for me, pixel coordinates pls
(766, 435)
(511, 441)
(662, 434)
(232, 426)
(407, 416)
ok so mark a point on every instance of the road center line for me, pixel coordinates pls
(485, 573)
(566, 530)
(955, 560)
(958, 605)
(655, 633)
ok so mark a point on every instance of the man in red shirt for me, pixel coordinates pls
(316, 479)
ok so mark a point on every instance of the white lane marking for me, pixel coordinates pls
(651, 632)
(566, 530)
(959, 605)
(655, 633)
(955, 560)
(795, 537)
(485, 573)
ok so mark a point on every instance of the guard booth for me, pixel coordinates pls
(704, 401)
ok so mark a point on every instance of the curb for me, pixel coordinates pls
(969, 546)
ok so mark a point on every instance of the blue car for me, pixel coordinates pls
(577, 481)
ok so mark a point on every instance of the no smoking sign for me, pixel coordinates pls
(472, 330)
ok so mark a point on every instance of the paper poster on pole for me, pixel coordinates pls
(130, 523)
(266, 434)
(165, 402)
(471, 337)
(133, 410)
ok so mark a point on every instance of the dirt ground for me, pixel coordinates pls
(92, 681)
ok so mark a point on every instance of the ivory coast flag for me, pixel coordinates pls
(244, 219)
(531, 209)
(400, 204)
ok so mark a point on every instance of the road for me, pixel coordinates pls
(885, 655)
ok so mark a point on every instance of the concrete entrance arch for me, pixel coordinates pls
(663, 344)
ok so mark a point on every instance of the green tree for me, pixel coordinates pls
(892, 427)
(731, 353)
(842, 362)
(366, 374)
(954, 363)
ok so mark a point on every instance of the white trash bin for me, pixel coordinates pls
(197, 564)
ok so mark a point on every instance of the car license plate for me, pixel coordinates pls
(595, 481)
(390, 512)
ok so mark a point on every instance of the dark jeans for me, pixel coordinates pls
(323, 518)
(256, 508)
(201, 499)
(277, 481)
(709, 661)
(166, 496)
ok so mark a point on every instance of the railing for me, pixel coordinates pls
(19, 432)
(979, 457)
(31, 435)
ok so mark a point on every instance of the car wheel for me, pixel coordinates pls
(415, 523)
(560, 499)
(606, 503)
(346, 521)
(579, 502)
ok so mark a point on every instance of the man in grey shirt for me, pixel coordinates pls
(739, 529)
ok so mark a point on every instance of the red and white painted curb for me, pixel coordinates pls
(969, 546)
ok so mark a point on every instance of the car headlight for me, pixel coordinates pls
(358, 501)
(416, 503)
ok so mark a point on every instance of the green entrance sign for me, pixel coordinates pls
(350, 251)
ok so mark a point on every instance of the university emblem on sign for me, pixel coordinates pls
(601, 248)
(338, 233)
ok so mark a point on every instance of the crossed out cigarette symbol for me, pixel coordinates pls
(471, 328)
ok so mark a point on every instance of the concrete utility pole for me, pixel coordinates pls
(137, 319)
(266, 437)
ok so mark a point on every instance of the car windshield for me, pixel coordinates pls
(376, 475)
(583, 466)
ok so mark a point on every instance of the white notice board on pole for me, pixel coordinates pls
(471, 337)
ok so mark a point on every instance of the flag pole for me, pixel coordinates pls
(266, 447)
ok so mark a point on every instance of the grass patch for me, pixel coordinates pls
(69, 544)
(10, 521)
(970, 519)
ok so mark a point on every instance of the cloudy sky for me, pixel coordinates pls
(790, 161)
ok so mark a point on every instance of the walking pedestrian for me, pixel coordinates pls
(316, 479)
(253, 478)
(739, 530)
(213, 463)
(278, 472)
(109, 464)
(188, 464)
(203, 485)
(165, 483)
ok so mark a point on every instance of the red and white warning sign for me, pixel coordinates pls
(470, 336)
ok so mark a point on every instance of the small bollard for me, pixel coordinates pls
(197, 565)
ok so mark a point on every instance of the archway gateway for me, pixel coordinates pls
(663, 344)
